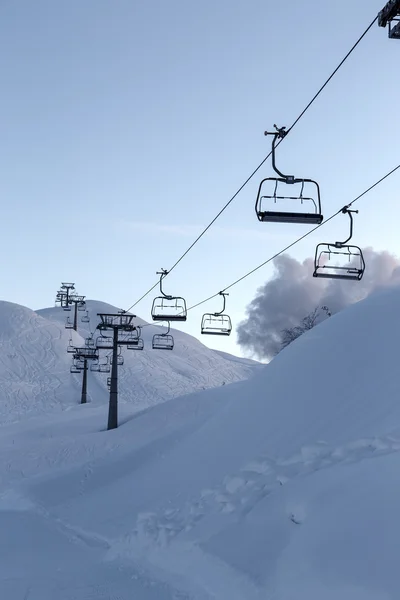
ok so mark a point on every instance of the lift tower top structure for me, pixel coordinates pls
(390, 14)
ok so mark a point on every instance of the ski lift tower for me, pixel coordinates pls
(63, 295)
(118, 323)
(390, 15)
(83, 355)
(79, 304)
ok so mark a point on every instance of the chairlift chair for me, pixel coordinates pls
(104, 342)
(85, 318)
(88, 353)
(132, 343)
(217, 323)
(163, 341)
(325, 253)
(74, 369)
(308, 196)
(82, 306)
(94, 362)
(132, 338)
(70, 348)
(166, 307)
(68, 324)
(104, 367)
(138, 344)
(78, 364)
(94, 366)
(89, 342)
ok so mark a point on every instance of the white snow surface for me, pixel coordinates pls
(282, 487)
(35, 367)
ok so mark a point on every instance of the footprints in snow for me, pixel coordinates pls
(239, 493)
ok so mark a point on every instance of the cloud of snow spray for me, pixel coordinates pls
(294, 293)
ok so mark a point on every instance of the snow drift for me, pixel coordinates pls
(284, 486)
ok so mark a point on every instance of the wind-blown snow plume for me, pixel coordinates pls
(293, 293)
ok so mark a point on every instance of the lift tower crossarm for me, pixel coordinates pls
(390, 11)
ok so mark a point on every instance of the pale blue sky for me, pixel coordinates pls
(126, 126)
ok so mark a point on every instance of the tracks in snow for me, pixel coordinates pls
(239, 493)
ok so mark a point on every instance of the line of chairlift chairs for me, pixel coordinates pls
(304, 203)
(133, 341)
(173, 308)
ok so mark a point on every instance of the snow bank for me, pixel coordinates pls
(284, 486)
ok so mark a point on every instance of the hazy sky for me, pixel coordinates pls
(127, 125)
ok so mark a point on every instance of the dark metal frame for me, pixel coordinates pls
(314, 218)
(163, 341)
(85, 318)
(342, 249)
(159, 303)
(389, 13)
(223, 323)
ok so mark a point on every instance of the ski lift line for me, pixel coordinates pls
(371, 187)
(333, 73)
(143, 297)
(265, 159)
(303, 112)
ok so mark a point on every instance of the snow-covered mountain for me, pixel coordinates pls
(35, 367)
(283, 487)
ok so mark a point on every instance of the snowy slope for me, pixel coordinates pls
(281, 487)
(34, 365)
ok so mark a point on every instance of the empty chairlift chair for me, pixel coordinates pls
(276, 205)
(104, 342)
(166, 307)
(163, 341)
(85, 318)
(89, 342)
(137, 344)
(134, 341)
(71, 348)
(69, 324)
(340, 260)
(104, 367)
(95, 365)
(217, 323)
(77, 366)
